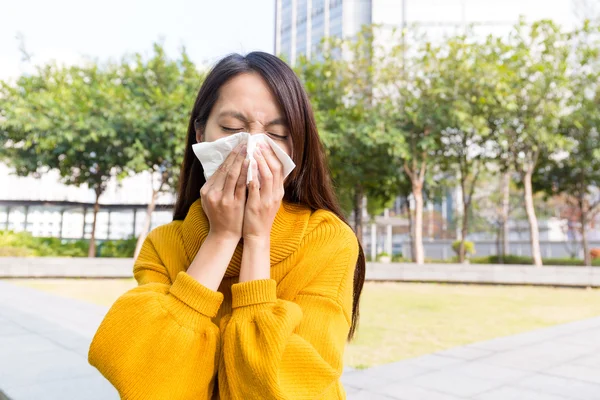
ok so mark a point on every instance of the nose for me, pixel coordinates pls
(256, 128)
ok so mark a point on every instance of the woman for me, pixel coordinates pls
(248, 293)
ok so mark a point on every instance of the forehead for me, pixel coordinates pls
(248, 94)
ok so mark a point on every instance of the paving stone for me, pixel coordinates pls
(366, 395)
(481, 370)
(569, 388)
(362, 381)
(47, 366)
(404, 391)
(435, 361)
(465, 353)
(24, 345)
(69, 340)
(589, 338)
(580, 372)
(514, 393)
(449, 382)
(536, 357)
(515, 341)
(592, 360)
(9, 328)
(86, 388)
(395, 371)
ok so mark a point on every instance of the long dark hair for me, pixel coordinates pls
(308, 184)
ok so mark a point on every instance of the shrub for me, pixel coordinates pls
(398, 258)
(595, 253)
(524, 260)
(117, 248)
(469, 247)
(22, 244)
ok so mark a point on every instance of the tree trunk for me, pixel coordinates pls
(587, 257)
(411, 232)
(417, 191)
(534, 232)
(146, 226)
(358, 212)
(463, 232)
(504, 216)
(92, 248)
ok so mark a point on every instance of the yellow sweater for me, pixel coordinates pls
(279, 338)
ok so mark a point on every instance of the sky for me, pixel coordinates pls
(71, 30)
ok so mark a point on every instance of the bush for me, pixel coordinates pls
(117, 248)
(398, 258)
(469, 247)
(524, 260)
(23, 244)
(595, 253)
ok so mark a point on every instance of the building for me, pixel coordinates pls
(301, 24)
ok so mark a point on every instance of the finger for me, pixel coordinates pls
(266, 177)
(221, 173)
(233, 173)
(253, 191)
(240, 188)
(274, 163)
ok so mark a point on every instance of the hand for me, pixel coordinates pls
(224, 195)
(263, 204)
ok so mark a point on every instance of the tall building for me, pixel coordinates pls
(301, 24)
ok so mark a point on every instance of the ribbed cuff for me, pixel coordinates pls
(196, 295)
(253, 292)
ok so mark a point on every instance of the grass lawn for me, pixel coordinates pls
(403, 320)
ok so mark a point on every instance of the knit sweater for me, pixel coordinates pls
(279, 338)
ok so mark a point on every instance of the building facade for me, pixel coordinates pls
(301, 24)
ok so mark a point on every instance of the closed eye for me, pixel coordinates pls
(228, 129)
(278, 137)
(231, 129)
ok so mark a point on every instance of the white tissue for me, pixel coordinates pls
(212, 154)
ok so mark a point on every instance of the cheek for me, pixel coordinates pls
(212, 133)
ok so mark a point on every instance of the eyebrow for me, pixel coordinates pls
(241, 117)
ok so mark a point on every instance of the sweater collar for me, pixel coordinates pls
(287, 231)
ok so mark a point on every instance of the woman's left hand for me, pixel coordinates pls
(263, 204)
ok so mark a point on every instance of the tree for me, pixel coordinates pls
(466, 140)
(411, 88)
(160, 92)
(360, 146)
(535, 64)
(68, 119)
(576, 172)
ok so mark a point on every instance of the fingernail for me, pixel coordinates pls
(258, 152)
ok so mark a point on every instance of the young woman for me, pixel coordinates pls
(248, 293)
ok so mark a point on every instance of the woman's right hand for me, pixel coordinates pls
(224, 196)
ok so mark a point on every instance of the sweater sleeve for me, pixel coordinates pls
(157, 341)
(286, 349)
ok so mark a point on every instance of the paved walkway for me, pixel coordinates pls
(44, 341)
